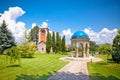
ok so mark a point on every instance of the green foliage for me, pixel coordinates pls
(6, 38)
(33, 34)
(28, 50)
(63, 44)
(58, 43)
(93, 46)
(53, 42)
(48, 43)
(116, 48)
(71, 48)
(105, 48)
(13, 54)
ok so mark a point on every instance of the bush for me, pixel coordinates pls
(28, 50)
(13, 54)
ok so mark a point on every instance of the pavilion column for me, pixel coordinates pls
(76, 50)
(88, 50)
(83, 49)
(72, 52)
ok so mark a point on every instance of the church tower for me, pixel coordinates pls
(42, 39)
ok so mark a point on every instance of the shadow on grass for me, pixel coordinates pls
(33, 77)
(28, 57)
(69, 76)
(110, 61)
(57, 76)
(16, 65)
(98, 76)
(65, 76)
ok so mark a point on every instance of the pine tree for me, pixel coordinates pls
(6, 38)
(33, 34)
(57, 42)
(60, 44)
(48, 43)
(53, 42)
(63, 44)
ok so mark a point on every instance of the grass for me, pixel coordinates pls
(104, 70)
(38, 68)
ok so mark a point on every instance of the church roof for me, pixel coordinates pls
(79, 35)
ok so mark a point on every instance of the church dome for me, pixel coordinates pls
(79, 35)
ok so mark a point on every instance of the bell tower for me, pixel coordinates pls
(42, 39)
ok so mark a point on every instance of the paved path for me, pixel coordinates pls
(75, 70)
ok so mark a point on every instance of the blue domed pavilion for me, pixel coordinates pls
(80, 40)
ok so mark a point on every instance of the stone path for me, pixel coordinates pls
(75, 70)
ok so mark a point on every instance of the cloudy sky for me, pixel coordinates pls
(100, 19)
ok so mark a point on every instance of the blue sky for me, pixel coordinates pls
(62, 15)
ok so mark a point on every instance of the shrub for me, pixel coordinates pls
(13, 54)
(28, 50)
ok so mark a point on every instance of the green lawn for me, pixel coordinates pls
(103, 70)
(38, 68)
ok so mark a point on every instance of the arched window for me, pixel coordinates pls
(42, 31)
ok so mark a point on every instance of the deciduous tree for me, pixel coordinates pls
(116, 48)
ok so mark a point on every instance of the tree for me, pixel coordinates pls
(116, 47)
(105, 48)
(93, 46)
(33, 34)
(53, 42)
(63, 44)
(6, 38)
(48, 43)
(58, 42)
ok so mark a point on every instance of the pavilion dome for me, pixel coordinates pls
(79, 35)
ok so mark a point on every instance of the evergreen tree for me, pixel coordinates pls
(57, 42)
(33, 34)
(53, 42)
(6, 38)
(60, 44)
(63, 44)
(116, 48)
(48, 43)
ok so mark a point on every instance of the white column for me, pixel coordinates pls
(72, 52)
(83, 49)
(88, 46)
(76, 50)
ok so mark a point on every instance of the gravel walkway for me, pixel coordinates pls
(75, 70)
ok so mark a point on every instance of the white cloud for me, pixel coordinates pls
(10, 16)
(67, 34)
(33, 25)
(104, 36)
(44, 25)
